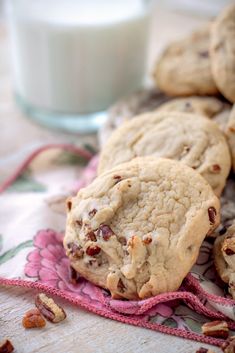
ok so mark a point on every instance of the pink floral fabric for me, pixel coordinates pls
(202, 296)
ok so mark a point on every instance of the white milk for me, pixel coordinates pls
(77, 56)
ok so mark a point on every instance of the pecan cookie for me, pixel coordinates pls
(222, 52)
(207, 106)
(191, 139)
(128, 229)
(139, 102)
(224, 258)
(184, 67)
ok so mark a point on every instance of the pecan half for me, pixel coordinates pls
(105, 232)
(218, 329)
(93, 250)
(33, 319)
(49, 309)
(6, 346)
(229, 345)
(212, 213)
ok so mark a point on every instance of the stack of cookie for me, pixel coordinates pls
(137, 229)
(203, 62)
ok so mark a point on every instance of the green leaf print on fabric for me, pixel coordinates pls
(1, 242)
(193, 320)
(170, 323)
(90, 148)
(69, 158)
(195, 326)
(25, 183)
(14, 251)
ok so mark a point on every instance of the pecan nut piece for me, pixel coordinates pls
(93, 250)
(92, 213)
(33, 319)
(218, 329)
(228, 246)
(229, 345)
(49, 309)
(215, 168)
(6, 346)
(91, 236)
(105, 232)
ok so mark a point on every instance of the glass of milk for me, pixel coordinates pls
(72, 59)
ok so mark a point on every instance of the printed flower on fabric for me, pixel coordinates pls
(48, 263)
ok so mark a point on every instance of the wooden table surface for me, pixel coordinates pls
(83, 332)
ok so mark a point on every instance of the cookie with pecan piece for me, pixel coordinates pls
(184, 68)
(154, 217)
(189, 138)
(222, 52)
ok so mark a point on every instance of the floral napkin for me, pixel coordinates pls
(32, 224)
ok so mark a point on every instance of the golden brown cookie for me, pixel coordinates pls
(189, 138)
(184, 67)
(137, 229)
(222, 52)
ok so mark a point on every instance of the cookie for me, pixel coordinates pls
(207, 106)
(191, 139)
(139, 102)
(230, 134)
(184, 67)
(137, 229)
(222, 52)
(224, 258)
